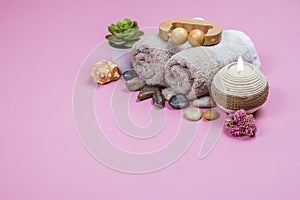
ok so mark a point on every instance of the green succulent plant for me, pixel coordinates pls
(124, 34)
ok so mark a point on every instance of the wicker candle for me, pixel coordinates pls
(240, 85)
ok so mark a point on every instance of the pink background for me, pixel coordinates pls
(42, 45)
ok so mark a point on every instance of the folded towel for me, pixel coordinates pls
(149, 56)
(191, 71)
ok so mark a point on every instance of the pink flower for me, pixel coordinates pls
(240, 124)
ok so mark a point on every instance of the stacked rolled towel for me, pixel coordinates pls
(191, 71)
(149, 56)
(185, 69)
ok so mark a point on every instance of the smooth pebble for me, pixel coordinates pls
(135, 84)
(168, 93)
(204, 102)
(129, 74)
(211, 115)
(147, 91)
(193, 114)
(158, 100)
(179, 101)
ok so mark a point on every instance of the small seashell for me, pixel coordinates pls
(105, 72)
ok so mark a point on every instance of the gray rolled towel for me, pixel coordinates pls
(191, 71)
(149, 56)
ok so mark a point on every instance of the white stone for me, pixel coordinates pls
(193, 114)
(168, 93)
(204, 102)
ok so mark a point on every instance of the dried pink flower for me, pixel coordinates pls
(240, 124)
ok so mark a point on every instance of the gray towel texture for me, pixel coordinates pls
(189, 70)
(150, 55)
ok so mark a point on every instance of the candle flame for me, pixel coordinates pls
(240, 65)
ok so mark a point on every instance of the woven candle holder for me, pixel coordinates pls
(248, 91)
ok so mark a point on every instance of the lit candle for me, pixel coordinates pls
(240, 65)
(240, 85)
(240, 69)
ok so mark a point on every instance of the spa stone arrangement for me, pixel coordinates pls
(190, 64)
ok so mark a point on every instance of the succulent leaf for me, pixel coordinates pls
(118, 43)
(135, 24)
(130, 44)
(113, 28)
(124, 33)
(135, 36)
(114, 38)
(108, 36)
